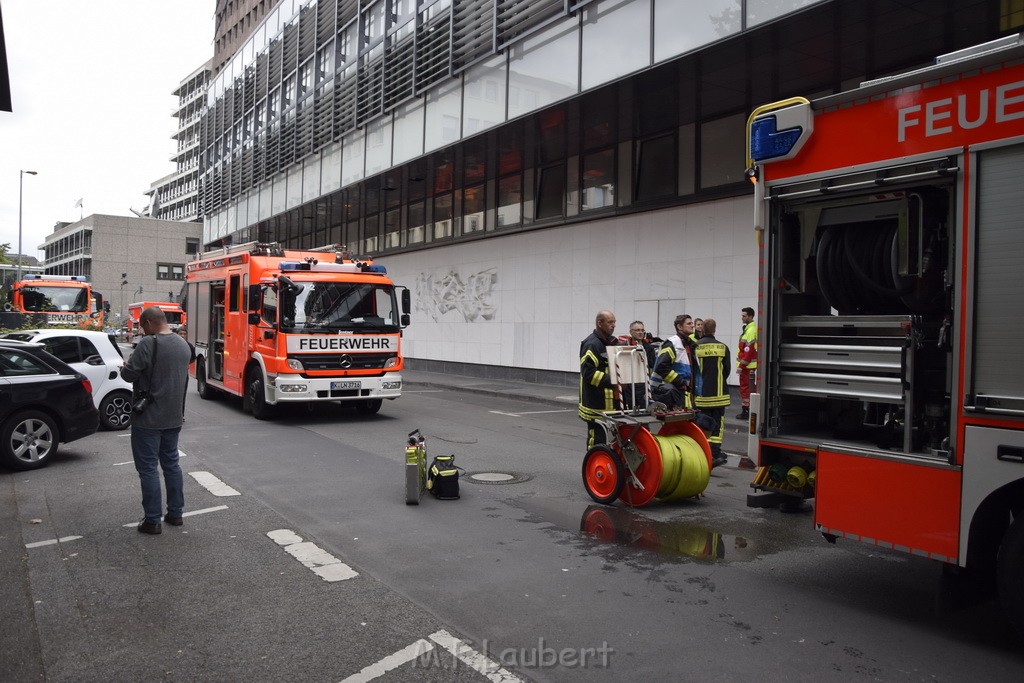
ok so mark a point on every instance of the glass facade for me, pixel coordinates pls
(394, 124)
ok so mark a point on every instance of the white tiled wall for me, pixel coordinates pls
(527, 300)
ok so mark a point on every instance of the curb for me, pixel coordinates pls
(492, 392)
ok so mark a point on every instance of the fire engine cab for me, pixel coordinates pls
(281, 326)
(890, 386)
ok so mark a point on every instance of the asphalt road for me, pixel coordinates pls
(704, 589)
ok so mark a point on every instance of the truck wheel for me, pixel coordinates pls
(28, 440)
(369, 406)
(206, 392)
(256, 396)
(1010, 574)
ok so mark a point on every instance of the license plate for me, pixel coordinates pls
(345, 385)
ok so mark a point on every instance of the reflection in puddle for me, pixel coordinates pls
(622, 527)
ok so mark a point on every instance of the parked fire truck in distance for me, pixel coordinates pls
(281, 326)
(63, 299)
(172, 311)
(891, 384)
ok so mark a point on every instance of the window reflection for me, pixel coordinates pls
(510, 196)
(598, 180)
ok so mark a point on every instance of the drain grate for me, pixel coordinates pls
(491, 478)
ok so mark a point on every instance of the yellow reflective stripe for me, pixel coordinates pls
(671, 376)
(589, 355)
(609, 399)
(597, 378)
(712, 401)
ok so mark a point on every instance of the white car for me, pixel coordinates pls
(97, 356)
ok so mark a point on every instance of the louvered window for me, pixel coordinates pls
(472, 32)
(432, 58)
(519, 18)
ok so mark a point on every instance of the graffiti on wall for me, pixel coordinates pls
(470, 295)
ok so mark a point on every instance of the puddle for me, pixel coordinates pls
(617, 530)
(623, 527)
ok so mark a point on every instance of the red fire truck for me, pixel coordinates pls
(284, 326)
(891, 381)
(62, 299)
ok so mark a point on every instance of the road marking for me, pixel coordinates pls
(192, 513)
(473, 659)
(213, 484)
(52, 541)
(567, 398)
(406, 654)
(423, 391)
(326, 566)
(532, 412)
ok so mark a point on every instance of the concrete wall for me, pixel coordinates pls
(527, 300)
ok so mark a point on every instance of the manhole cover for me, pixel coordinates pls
(496, 477)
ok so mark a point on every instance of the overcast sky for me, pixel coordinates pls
(91, 84)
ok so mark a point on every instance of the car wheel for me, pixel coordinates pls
(116, 411)
(257, 397)
(369, 406)
(206, 392)
(28, 440)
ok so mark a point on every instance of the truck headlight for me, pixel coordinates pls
(391, 362)
(295, 364)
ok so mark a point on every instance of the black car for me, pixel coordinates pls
(43, 403)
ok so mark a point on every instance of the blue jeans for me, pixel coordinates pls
(150, 447)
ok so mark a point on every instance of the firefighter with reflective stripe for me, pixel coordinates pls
(597, 395)
(746, 359)
(675, 380)
(713, 398)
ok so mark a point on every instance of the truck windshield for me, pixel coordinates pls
(173, 317)
(74, 299)
(339, 305)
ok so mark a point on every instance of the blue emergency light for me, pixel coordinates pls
(767, 143)
(293, 265)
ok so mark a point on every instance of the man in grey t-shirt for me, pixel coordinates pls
(159, 366)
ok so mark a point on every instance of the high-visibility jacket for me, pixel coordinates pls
(713, 359)
(746, 356)
(596, 392)
(675, 365)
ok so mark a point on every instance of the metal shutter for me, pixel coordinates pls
(998, 315)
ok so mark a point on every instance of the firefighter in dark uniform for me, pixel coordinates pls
(713, 395)
(597, 395)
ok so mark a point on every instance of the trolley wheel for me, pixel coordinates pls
(603, 474)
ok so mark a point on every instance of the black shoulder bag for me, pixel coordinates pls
(143, 397)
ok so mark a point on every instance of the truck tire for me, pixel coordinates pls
(1010, 574)
(256, 396)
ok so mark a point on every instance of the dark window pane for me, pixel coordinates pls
(722, 157)
(656, 168)
(442, 216)
(414, 231)
(598, 180)
(599, 118)
(392, 226)
(551, 135)
(510, 150)
(510, 196)
(551, 192)
(473, 209)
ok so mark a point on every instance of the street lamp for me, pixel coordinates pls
(21, 182)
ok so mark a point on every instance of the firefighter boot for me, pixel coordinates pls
(744, 414)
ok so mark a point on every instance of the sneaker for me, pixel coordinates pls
(174, 521)
(147, 527)
(744, 415)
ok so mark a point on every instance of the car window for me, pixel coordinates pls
(87, 348)
(113, 342)
(17, 364)
(65, 348)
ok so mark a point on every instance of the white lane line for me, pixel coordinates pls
(423, 391)
(406, 654)
(499, 412)
(52, 541)
(192, 513)
(213, 484)
(326, 566)
(531, 412)
(473, 659)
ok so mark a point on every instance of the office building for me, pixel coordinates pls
(175, 197)
(521, 164)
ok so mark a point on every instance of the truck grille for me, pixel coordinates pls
(343, 361)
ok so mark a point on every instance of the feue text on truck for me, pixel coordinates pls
(891, 385)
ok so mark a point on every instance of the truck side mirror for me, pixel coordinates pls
(406, 302)
(255, 299)
(254, 318)
(405, 320)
